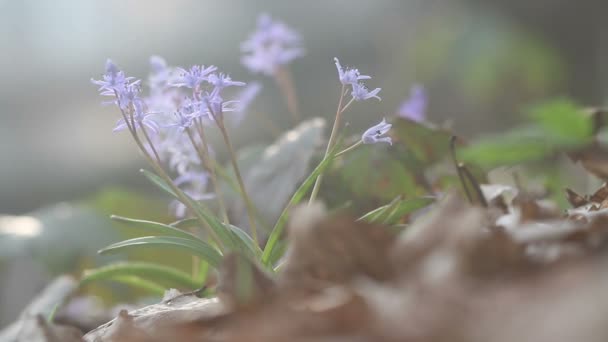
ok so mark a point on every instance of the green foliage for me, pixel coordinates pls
(155, 227)
(393, 212)
(198, 248)
(154, 272)
(270, 257)
(556, 126)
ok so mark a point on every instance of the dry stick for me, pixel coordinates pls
(205, 160)
(235, 166)
(283, 78)
(330, 144)
(458, 170)
(476, 186)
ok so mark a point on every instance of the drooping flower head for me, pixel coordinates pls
(375, 134)
(272, 44)
(352, 77)
(414, 108)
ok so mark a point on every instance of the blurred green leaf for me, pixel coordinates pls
(159, 273)
(199, 248)
(155, 227)
(427, 143)
(140, 283)
(563, 122)
(398, 208)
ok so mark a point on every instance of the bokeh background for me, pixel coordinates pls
(481, 61)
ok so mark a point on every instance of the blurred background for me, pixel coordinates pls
(481, 62)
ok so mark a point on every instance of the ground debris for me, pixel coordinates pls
(455, 274)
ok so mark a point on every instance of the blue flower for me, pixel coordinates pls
(194, 77)
(182, 121)
(113, 80)
(273, 44)
(349, 76)
(361, 93)
(414, 108)
(141, 118)
(221, 81)
(375, 134)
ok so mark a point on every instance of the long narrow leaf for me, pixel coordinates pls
(252, 248)
(141, 283)
(200, 248)
(268, 257)
(140, 269)
(203, 213)
(244, 240)
(391, 213)
(380, 213)
(158, 181)
(155, 227)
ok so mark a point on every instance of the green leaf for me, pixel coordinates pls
(158, 181)
(373, 173)
(205, 216)
(146, 270)
(253, 250)
(427, 143)
(141, 283)
(268, 257)
(564, 122)
(199, 248)
(518, 146)
(156, 227)
(391, 213)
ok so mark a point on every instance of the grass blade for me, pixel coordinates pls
(155, 227)
(145, 270)
(199, 248)
(141, 283)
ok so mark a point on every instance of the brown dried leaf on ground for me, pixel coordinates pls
(453, 275)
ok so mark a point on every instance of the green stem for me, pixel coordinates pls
(237, 172)
(330, 144)
(350, 148)
(203, 154)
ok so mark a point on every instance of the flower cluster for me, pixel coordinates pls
(180, 103)
(273, 44)
(352, 77)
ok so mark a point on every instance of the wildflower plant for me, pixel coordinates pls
(170, 124)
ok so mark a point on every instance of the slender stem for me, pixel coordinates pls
(330, 144)
(283, 78)
(203, 155)
(237, 172)
(350, 148)
(347, 105)
(459, 169)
